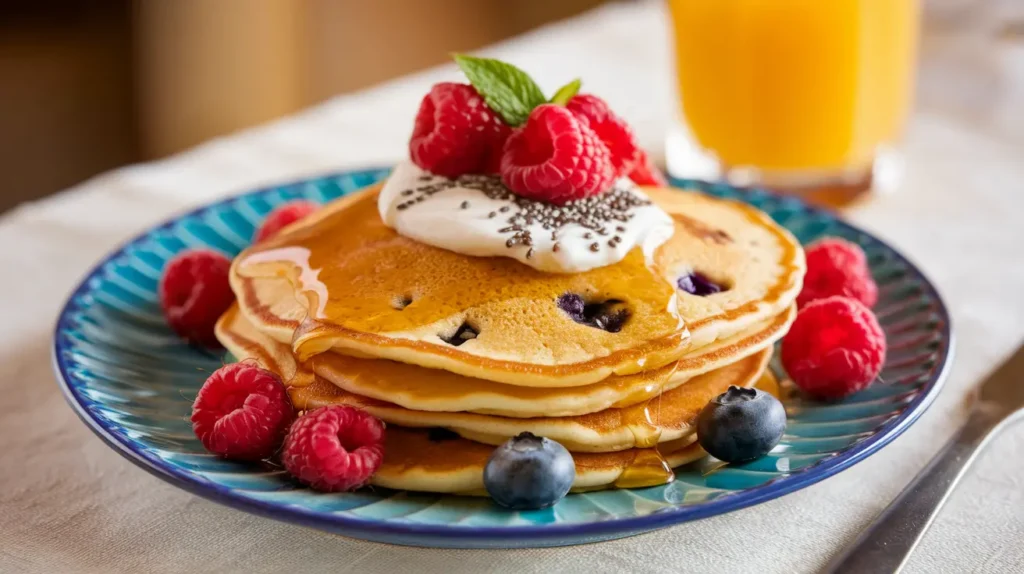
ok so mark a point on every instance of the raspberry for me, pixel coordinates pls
(194, 293)
(456, 133)
(834, 348)
(283, 216)
(242, 412)
(837, 267)
(334, 448)
(610, 129)
(556, 158)
(491, 164)
(645, 172)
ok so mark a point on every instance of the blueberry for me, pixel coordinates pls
(573, 305)
(740, 424)
(464, 333)
(608, 315)
(529, 472)
(696, 284)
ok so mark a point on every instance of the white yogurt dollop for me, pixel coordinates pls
(478, 216)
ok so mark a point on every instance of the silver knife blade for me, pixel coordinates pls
(1004, 387)
(885, 545)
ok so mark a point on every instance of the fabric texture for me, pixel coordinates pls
(70, 504)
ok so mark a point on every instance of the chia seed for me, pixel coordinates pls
(596, 214)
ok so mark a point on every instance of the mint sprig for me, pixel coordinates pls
(566, 92)
(509, 91)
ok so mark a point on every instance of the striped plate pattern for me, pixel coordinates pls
(132, 382)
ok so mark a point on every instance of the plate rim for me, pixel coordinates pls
(531, 534)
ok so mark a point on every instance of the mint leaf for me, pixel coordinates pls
(566, 92)
(509, 91)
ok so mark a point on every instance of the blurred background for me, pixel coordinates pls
(86, 86)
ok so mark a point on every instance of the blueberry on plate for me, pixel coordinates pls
(529, 472)
(741, 425)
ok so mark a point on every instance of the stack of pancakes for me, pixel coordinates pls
(457, 354)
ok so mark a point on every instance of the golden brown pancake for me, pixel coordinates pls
(666, 417)
(353, 276)
(436, 460)
(412, 461)
(435, 390)
(424, 389)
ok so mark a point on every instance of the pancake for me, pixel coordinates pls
(435, 390)
(436, 460)
(759, 264)
(373, 293)
(666, 417)
(412, 461)
(424, 389)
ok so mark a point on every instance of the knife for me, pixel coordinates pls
(887, 543)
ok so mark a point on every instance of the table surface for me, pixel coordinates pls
(68, 503)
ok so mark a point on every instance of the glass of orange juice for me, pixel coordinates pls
(807, 96)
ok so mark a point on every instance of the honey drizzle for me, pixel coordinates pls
(348, 266)
(352, 275)
(649, 467)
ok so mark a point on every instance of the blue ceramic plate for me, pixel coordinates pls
(132, 382)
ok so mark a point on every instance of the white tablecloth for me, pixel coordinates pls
(68, 503)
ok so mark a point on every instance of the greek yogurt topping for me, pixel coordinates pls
(476, 215)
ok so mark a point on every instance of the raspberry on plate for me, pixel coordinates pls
(334, 448)
(612, 130)
(645, 172)
(556, 158)
(834, 348)
(456, 133)
(242, 412)
(836, 266)
(194, 293)
(282, 217)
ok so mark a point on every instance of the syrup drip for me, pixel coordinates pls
(649, 467)
(348, 268)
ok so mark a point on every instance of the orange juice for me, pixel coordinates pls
(795, 85)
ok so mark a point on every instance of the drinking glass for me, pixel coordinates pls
(805, 96)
